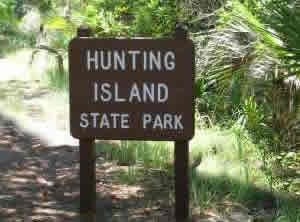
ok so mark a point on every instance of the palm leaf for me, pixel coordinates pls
(285, 21)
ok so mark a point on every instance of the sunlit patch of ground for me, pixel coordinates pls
(37, 110)
(17, 66)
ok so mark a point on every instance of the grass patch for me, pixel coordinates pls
(149, 154)
(131, 175)
(57, 80)
(288, 211)
(230, 168)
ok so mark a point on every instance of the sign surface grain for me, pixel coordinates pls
(139, 89)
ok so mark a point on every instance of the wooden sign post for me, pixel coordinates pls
(132, 89)
(87, 166)
(181, 155)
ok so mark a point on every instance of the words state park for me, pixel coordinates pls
(104, 92)
(121, 120)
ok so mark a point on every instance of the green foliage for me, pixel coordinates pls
(142, 17)
(7, 14)
(54, 22)
(121, 18)
(11, 11)
(57, 80)
(281, 19)
(156, 18)
(285, 20)
(240, 18)
(261, 33)
(130, 176)
(253, 113)
(150, 154)
(287, 212)
(5, 10)
(236, 86)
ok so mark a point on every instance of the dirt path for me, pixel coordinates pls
(39, 168)
(39, 179)
(32, 188)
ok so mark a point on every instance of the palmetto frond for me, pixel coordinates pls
(283, 18)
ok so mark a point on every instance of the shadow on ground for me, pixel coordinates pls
(39, 183)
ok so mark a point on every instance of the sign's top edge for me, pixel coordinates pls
(131, 39)
(75, 41)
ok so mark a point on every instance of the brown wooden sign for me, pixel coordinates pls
(137, 89)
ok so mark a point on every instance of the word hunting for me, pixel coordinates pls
(130, 60)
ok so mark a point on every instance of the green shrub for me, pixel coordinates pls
(142, 17)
